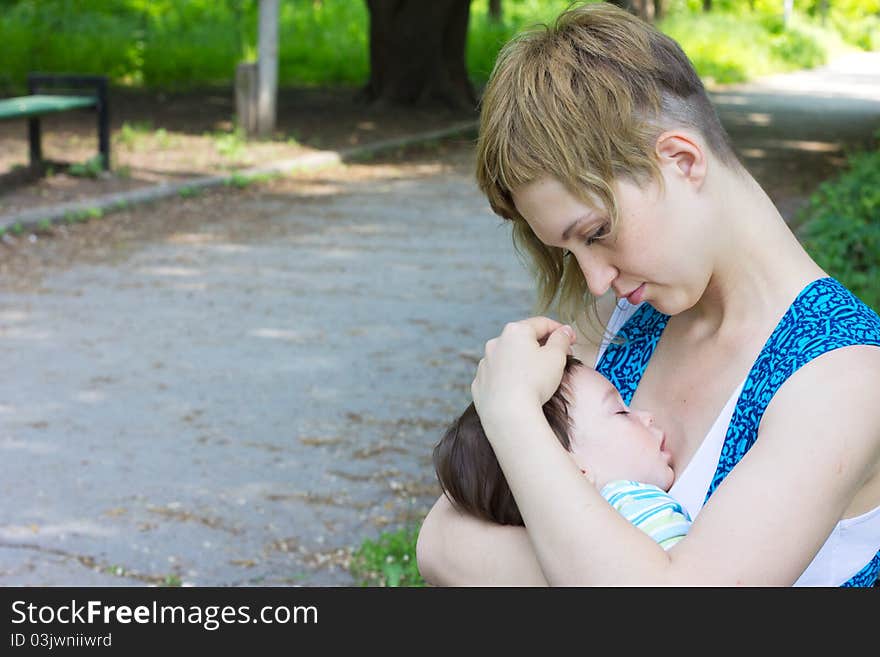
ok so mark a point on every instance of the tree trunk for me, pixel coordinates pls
(644, 9)
(495, 11)
(417, 53)
(707, 5)
(629, 5)
(658, 10)
(267, 68)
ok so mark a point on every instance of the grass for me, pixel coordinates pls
(91, 168)
(141, 135)
(130, 135)
(230, 145)
(390, 560)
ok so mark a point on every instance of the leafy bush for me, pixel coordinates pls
(840, 227)
(716, 43)
(388, 561)
(864, 33)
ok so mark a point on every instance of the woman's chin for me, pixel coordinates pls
(671, 306)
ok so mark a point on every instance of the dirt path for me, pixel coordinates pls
(237, 388)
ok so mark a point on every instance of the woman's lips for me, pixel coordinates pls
(635, 297)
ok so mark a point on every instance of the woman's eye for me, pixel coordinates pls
(598, 235)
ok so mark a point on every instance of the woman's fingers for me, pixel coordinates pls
(517, 369)
(561, 339)
(540, 327)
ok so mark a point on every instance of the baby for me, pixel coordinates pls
(621, 451)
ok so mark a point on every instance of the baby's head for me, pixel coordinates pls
(606, 440)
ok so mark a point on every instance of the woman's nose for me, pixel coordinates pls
(598, 274)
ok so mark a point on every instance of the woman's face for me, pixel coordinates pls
(655, 254)
(610, 441)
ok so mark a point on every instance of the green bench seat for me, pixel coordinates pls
(26, 106)
(38, 103)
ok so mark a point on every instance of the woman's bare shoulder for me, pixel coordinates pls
(586, 348)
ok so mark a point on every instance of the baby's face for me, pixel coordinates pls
(611, 441)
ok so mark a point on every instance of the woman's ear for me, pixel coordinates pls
(685, 153)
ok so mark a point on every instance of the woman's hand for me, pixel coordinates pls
(521, 368)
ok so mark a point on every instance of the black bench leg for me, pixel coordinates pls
(103, 125)
(104, 138)
(34, 140)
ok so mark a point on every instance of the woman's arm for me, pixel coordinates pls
(455, 549)
(819, 443)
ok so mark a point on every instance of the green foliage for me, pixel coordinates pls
(238, 180)
(230, 145)
(241, 180)
(388, 561)
(186, 43)
(485, 38)
(91, 168)
(189, 192)
(172, 580)
(79, 216)
(864, 33)
(130, 134)
(177, 43)
(840, 227)
(715, 43)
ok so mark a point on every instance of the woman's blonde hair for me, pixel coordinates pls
(584, 100)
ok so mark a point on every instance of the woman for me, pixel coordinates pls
(598, 142)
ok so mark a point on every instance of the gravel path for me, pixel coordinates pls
(237, 388)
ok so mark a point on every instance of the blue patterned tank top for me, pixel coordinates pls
(824, 316)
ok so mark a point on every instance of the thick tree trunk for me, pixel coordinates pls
(624, 4)
(707, 5)
(417, 52)
(495, 11)
(658, 10)
(644, 9)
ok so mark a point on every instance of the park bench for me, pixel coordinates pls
(38, 103)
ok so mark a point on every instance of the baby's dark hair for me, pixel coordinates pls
(468, 471)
